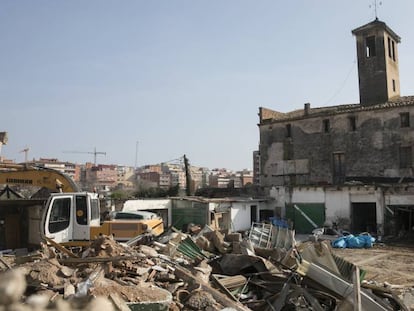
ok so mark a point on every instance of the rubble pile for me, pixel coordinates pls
(203, 270)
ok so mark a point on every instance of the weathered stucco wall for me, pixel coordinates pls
(338, 205)
(372, 149)
(240, 216)
(338, 201)
(308, 195)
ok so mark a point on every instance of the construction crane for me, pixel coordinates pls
(26, 153)
(94, 152)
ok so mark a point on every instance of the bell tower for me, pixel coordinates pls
(377, 53)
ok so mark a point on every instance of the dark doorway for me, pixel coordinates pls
(265, 215)
(404, 221)
(364, 217)
(253, 213)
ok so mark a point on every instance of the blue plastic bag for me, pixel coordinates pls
(351, 241)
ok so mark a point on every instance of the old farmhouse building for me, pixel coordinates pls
(347, 164)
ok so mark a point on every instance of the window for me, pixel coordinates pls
(352, 123)
(95, 212)
(370, 46)
(405, 119)
(338, 167)
(121, 215)
(393, 85)
(81, 210)
(59, 215)
(326, 126)
(406, 157)
(391, 49)
(288, 130)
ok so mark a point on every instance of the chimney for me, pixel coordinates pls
(306, 109)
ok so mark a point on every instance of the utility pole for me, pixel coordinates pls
(136, 154)
(187, 176)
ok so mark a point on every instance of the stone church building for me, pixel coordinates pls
(349, 164)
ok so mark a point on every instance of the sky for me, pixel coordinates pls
(146, 81)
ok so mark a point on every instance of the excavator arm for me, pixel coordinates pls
(39, 177)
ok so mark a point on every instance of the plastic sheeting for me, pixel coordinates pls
(351, 241)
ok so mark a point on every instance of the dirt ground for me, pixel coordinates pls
(389, 263)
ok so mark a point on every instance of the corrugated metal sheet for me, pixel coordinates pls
(347, 268)
(268, 236)
(190, 249)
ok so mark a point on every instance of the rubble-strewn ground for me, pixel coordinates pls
(383, 263)
(207, 270)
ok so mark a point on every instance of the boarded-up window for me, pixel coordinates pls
(338, 167)
(406, 157)
(288, 130)
(405, 119)
(352, 123)
(326, 125)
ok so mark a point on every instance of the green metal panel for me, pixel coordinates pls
(315, 211)
(197, 214)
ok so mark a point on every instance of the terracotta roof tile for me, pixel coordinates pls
(268, 115)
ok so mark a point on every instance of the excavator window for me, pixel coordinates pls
(95, 212)
(59, 215)
(81, 210)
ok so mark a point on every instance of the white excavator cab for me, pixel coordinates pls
(69, 216)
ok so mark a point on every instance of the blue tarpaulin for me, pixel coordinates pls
(279, 222)
(352, 241)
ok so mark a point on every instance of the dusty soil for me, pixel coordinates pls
(383, 263)
(131, 293)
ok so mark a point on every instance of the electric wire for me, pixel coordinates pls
(341, 87)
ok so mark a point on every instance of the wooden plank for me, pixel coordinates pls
(357, 290)
(231, 282)
(95, 259)
(5, 263)
(61, 248)
(118, 302)
(223, 288)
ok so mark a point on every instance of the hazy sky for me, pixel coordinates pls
(177, 76)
